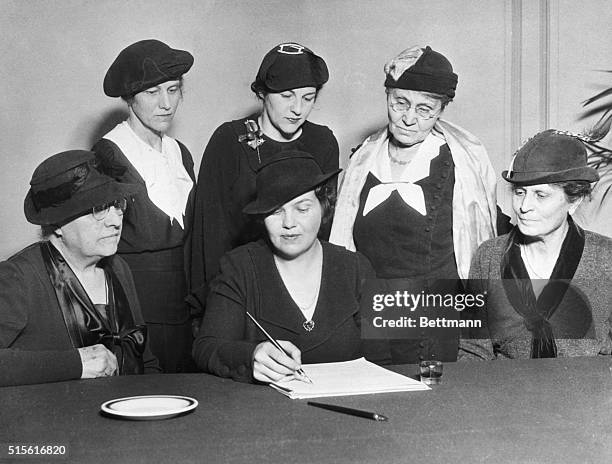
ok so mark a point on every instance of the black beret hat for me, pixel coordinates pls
(431, 72)
(284, 179)
(69, 184)
(143, 65)
(550, 156)
(290, 66)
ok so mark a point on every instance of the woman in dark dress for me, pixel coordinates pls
(147, 75)
(419, 195)
(68, 306)
(287, 83)
(304, 291)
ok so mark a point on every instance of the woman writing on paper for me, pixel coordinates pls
(304, 291)
(288, 83)
(548, 282)
(418, 196)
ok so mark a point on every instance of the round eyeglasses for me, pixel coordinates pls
(100, 212)
(422, 112)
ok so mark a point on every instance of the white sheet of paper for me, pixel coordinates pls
(357, 377)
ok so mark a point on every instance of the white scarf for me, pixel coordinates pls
(411, 193)
(167, 181)
(474, 203)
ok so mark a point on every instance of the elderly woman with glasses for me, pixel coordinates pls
(418, 196)
(68, 306)
(148, 76)
(548, 282)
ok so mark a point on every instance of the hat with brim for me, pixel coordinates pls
(143, 65)
(548, 157)
(68, 185)
(284, 179)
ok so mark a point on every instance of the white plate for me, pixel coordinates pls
(149, 407)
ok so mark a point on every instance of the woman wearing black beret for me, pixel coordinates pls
(288, 82)
(147, 75)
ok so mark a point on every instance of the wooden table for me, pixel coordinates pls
(527, 411)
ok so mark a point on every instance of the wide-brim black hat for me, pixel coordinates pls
(284, 179)
(548, 157)
(143, 65)
(290, 66)
(68, 185)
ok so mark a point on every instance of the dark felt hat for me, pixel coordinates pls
(67, 185)
(143, 65)
(432, 72)
(550, 156)
(284, 179)
(290, 66)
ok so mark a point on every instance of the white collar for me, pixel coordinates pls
(419, 168)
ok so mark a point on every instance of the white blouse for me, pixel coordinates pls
(167, 181)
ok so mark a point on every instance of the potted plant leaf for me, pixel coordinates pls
(596, 214)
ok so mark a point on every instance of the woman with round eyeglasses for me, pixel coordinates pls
(287, 84)
(418, 196)
(548, 282)
(68, 303)
(148, 76)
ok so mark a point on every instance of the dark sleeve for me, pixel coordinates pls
(189, 210)
(477, 345)
(210, 236)
(122, 270)
(374, 350)
(27, 364)
(221, 347)
(330, 161)
(503, 222)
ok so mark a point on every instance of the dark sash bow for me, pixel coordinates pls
(519, 289)
(86, 324)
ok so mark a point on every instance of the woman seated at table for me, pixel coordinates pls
(303, 291)
(548, 282)
(68, 307)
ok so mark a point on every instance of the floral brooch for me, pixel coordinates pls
(253, 136)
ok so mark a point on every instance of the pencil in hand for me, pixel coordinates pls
(301, 374)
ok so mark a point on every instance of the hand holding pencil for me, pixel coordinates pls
(274, 360)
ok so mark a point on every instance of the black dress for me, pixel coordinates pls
(403, 244)
(154, 249)
(226, 184)
(250, 281)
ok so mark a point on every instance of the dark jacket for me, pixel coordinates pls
(35, 346)
(226, 183)
(250, 281)
(506, 333)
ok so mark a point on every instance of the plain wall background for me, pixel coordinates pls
(522, 65)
